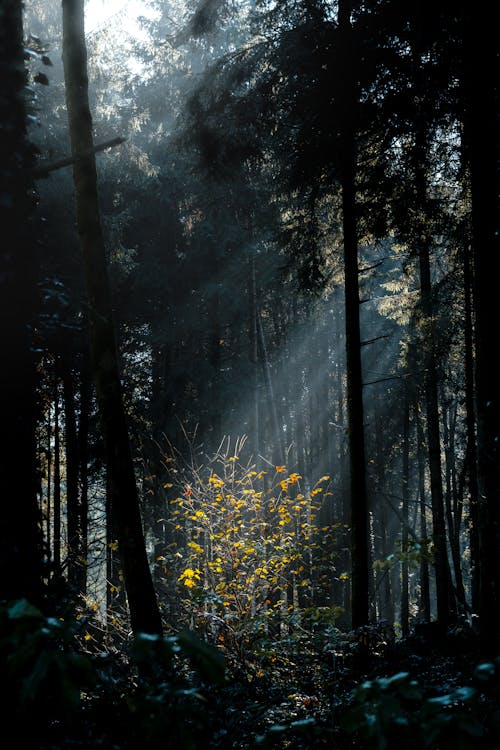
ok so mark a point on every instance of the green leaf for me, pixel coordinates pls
(22, 608)
(464, 693)
(38, 674)
(485, 671)
(208, 660)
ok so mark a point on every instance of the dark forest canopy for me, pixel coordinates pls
(248, 315)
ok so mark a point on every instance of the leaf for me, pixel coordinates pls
(484, 671)
(22, 608)
(208, 660)
(32, 683)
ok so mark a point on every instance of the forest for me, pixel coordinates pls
(250, 461)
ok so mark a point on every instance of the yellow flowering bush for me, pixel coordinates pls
(246, 549)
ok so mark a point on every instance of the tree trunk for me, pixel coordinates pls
(278, 448)
(72, 466)
(452, 505)
(405, 603)
(144, 612)
(481, 140)
(57, 482)
(83, 437)
(441, 566)
(471, 437)
(20, 522)
(355, 414)
(425, 596)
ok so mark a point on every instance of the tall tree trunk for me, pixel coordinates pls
(72, 466)
(83, 438)
(357, 463)
(144, 612)
(386, 608)
(278, 448)
(452, 505)
(20, 522)
(425, 595)
(471, 436)
(481, 131)
(441, 566)
(57, 481)
(253, 313)
(405, 602)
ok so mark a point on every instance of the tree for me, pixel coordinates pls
(144, 610)
(357, 461)
(20, 539)
(481, 141)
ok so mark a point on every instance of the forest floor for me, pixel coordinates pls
(359, 691)
(367, 693)
(66, 685)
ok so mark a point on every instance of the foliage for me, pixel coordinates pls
(413, 552)
(247, 552)
(156, 695)
(168, 705)
(390, 712)
(39, 660)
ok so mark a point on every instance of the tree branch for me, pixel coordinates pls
(43, 170)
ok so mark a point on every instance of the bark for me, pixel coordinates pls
(279, 448)
(72, 470)
(83, 437)
(452, 504)
(20, 521)
(254, 360)
(355, 412)
(441, 566)
(405, 602)
(481, 131)
(470, 458)
(57, 482)
(425, 596)
(142, 602)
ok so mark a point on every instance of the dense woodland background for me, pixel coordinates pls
(249, 397)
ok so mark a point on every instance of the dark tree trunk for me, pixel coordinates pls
(83, 438)
(57, 482)
(253, 313)
(72, 470)
(20, 522)
(482, 123)
(48, 517)
(452, 504)
(441, 566)
(278, 446)
(425, 595)
(355, 414)
(405, 602)
(470, 457)
(142, 602)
